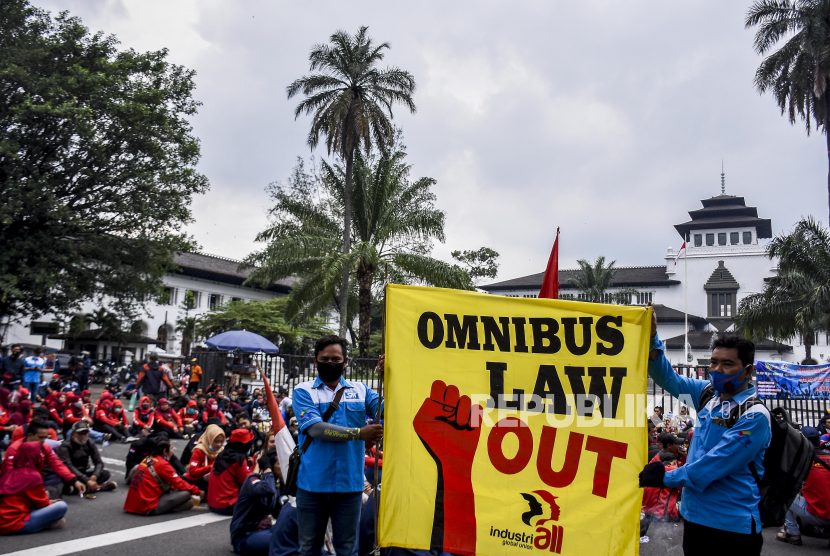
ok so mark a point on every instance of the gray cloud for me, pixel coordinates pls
(607, 119)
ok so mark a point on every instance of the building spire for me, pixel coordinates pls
(722, 180)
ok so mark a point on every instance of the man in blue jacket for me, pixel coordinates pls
(720, 492)
(251, 523)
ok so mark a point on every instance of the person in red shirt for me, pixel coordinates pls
(812, 505)
(204, 453)
(5, 414)
(24, 505)
(85, 399)
(37, 413)
(142, 418)
(22, 414)
(167, 420)
(57, 408)
(212, 410)
(75, 412)
(152, 477)
(109, 423)
(661, 503)
(229, 472)
(189, 416)
(54, 472)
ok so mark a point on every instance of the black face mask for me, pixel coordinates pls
(329, 372)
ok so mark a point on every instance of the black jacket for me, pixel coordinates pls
(13, 366)
(179, 402)
(77, 458)
(256, 500)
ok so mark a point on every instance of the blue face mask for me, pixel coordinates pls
(727, 384)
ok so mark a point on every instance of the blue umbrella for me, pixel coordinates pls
(242, 340)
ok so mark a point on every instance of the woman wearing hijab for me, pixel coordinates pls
(204, 454)
(229, 472)
(23, 415)
(142, 418)
(24, 504)
(166, 419)
(106, 423)
(5, 414)
(212, 410)
(57, 408)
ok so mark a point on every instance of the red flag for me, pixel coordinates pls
(282, 436)
(277, 422)
(550, 285)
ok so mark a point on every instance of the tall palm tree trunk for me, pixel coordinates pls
(347, 238)
(827, 139)
(364, 285)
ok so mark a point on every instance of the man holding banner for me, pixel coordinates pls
(332, 414)
(720, 494)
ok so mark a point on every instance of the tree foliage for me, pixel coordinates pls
(351, 101)
(393, 224)
(797, 300)
(798, 73)
(266, 318)
(97, 165)
(594, 280)
(479, 263)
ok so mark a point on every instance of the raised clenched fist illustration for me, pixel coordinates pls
(449, 425)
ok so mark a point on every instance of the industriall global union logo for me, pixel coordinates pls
(547, 536)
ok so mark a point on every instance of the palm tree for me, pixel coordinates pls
(394, 221)
(594, 280)
(352, 105)
(797, 301)
(187, 326)
(798, 73)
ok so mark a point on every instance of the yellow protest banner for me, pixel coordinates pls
(512, 425)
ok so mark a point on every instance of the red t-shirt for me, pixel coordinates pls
(200, 465)
(15, 509)
(144, 493)
(816, 489)
(224, 487)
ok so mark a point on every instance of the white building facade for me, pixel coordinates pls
(725, 260)
(212, 281)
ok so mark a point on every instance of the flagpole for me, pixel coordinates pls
(686, 302)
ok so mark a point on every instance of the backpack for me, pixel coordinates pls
(787, 461)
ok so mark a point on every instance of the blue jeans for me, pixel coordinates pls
(799, 509)
(256, 543)
(314, 509)
(43, 518)
(32, 388)
(97, 437)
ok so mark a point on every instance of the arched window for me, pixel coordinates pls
(162, 336)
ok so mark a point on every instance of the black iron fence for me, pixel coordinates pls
(283, 371)
(803, 412)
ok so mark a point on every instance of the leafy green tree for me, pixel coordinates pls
(798, 73)
(480, 263)
(185, 324)
(594, 280)
(797, 300)
(97, 165)
(351, 102)
(393, 224)
(266, 318)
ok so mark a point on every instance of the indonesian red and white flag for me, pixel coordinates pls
(681, 252)
(282, 435)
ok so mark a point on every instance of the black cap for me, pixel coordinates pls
(667, 439)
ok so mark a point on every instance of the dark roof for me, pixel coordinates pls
(703, 340)
(625, 277)
(725, 211)
(667, 314)
(98, 335)
(721, 279)
(220, 269)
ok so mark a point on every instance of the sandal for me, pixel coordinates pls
(783, 536)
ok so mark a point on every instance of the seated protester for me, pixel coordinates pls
(106, 396)
(107, 422)
(142, 418)
(167, 420)
(812, 505)
(653, 445)
(204, 454)
(129, 390)
(57, 409)
(230, 469)
(54, 472)
(251, 524)
(23, 414)
(85, 396)
(144, 447)
(660, 504)
(242, 421)
(188, 449)
(81, 456)
(212, 410)
(156, 488)
(74, 412)
(42, 414)
(233, 404)
(70, 386)
(219, 396)
(212, 387)
(177, 400)
(24, 503)
(189, 416)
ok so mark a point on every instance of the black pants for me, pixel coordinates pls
(102, 478)
(699, 540)
(82, 377)
(105, 428)
(174, 501)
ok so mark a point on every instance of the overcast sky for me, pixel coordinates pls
(608, 119)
